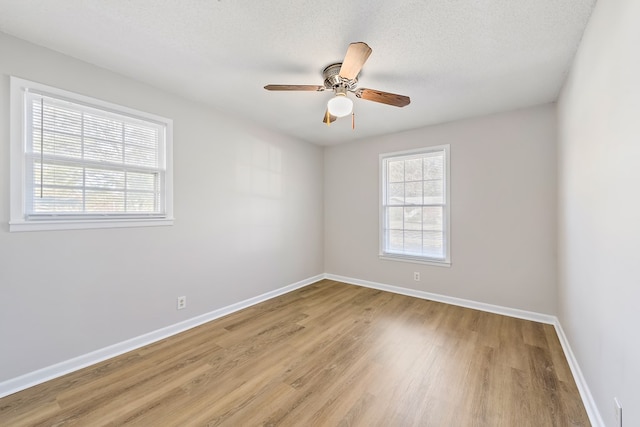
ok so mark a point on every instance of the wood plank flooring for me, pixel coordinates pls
(329, 354)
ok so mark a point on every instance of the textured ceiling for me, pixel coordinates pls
(454, 58)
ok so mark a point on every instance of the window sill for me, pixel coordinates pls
(415, 260)
(45, 225)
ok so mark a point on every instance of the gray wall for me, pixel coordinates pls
(503, 215)
(249, 219)
(599, 220)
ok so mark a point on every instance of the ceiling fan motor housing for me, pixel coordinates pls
(332, 79)
(341, 78)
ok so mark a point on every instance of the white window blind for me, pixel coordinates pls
(415, 209)
(91, 162)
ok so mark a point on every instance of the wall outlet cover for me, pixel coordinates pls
(182, 302)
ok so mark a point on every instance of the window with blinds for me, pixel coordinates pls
(86, 160)
(415, 205)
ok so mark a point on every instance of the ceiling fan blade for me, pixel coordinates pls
(331, 117)
(383, 97)
(356, 56)
(312, 88)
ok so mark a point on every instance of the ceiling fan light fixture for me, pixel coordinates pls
(340, 105)
(342, 77)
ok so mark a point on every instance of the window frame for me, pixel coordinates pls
(404, 257)
(19, 182)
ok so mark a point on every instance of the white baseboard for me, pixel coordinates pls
(505, 311)
(581, 383)
(583, 388)
(54, 371)
(59, 369)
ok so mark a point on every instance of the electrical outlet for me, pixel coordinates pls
(182, 303)
(617, 406)
(416, 276)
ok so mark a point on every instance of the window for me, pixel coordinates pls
(78, 162)
(414, 214)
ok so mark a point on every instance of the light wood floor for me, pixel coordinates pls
(329, 354)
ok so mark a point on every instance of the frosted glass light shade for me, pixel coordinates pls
(340, 105)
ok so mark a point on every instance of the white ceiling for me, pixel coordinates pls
(454, 58)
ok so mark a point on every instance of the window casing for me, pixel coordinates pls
(78, 162)
(414, 206)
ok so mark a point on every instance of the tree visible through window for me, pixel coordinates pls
(415, 206)
(86, 161)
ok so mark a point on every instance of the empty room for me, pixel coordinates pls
(285, 213)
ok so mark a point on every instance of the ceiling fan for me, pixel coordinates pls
(342, 77)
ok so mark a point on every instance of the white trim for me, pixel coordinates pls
(497, 309)
(45, 374)
(87, 223)
(18, 165)
(382, 178)
(54, 371)
(405, 258)
(581, 383)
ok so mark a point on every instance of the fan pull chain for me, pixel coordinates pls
(353, 120)
(328, 118)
